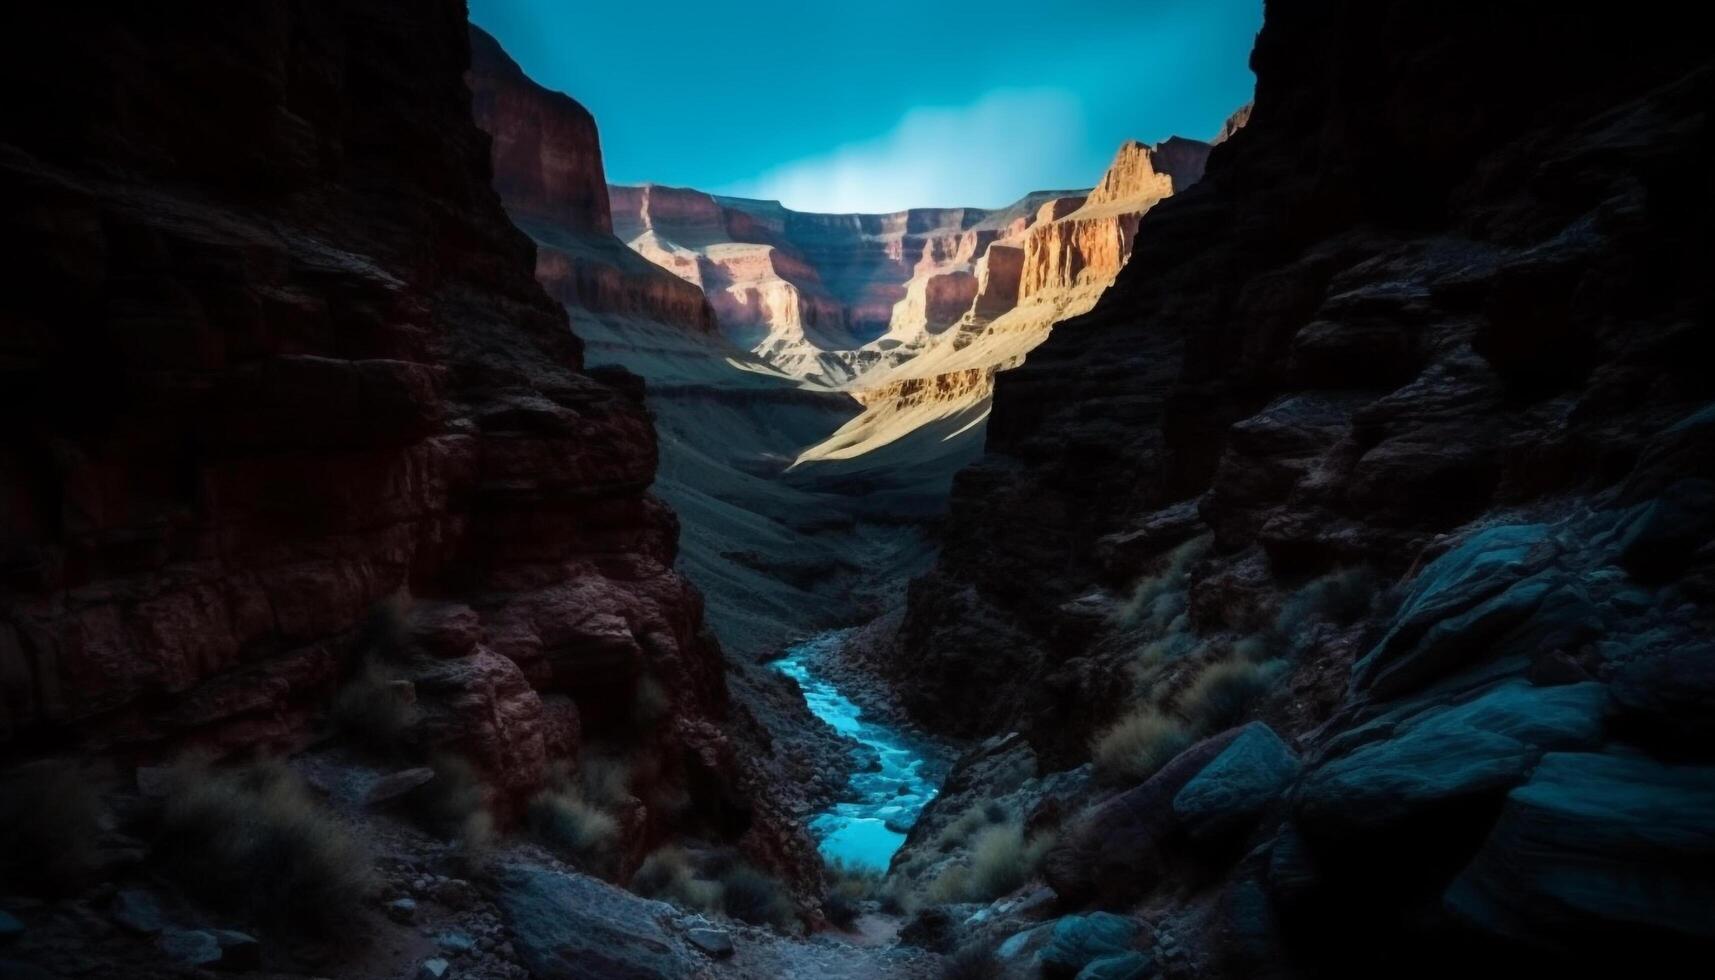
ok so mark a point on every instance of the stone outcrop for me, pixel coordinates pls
(548, 171)
(276, 368)
(1384, 406)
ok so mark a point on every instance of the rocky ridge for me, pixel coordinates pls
(1376, 439)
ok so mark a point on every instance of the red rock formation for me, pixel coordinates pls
(548, 171)
(1074, 244)
(547, 158)
(634, 314)
(277, 358)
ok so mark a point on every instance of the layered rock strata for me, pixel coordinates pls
(1398, 418)
(276, 368)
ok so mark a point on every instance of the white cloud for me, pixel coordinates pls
(985, 154)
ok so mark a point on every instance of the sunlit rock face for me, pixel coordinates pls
(279, 369)
(1431, 332)
(1044, 260)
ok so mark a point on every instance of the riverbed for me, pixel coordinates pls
(885, 799)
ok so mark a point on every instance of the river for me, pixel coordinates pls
(866, 828)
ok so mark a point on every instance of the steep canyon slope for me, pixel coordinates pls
(775, 560)
(282, 395)
(911, 313)
(1396, 433)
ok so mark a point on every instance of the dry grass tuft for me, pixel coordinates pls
(1222, 694)
(1133, 748)
(253, 837)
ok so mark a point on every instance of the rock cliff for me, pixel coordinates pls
(1393, 433)
(775, 561)
(1042, 260)
(276, 368)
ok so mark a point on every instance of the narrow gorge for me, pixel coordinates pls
(435, 549)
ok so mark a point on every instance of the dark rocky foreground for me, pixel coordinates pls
(1405, 410)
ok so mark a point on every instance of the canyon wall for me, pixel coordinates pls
(1041, 261)
(775, 562)
(1401, 419)
(281, 390)
(823, 297)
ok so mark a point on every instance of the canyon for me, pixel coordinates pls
(1292, 556)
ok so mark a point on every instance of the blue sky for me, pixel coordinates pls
(883, 104)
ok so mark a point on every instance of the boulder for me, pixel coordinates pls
(1459, 598)
(715, 942)
(1079, 940)
(1233, 790)
(1112, 852)
(434, 969)
(569, 927)
(1482, 745)
(1595, 847)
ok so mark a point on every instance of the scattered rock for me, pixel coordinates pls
(715, 942)
(455, 942)
(138, 911)
(402, 910)
(394, 785)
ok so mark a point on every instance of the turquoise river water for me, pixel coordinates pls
(866, 828)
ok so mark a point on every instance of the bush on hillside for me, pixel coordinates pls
(1131, 749)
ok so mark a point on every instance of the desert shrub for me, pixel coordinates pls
(253, 837)
(574, 827)
(604, 779)
(751, 896)
(1156, 600)
(51, 816)
(1001, 860)
(1133, 748)
(375, 708)
(455, 804)
(1225, 690)
(973, 962)
(668, 875)
(1342, 597)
